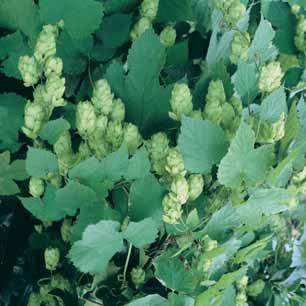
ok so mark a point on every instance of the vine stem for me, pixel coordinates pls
(127, 263)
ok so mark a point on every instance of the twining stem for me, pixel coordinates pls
(127, 264)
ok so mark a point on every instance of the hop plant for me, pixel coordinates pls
(131, 137)
(181, 101)
(242, 283)
(46, 43)
(34, 299)
(209, 244)
(29, 70)
(34, 119)
(138, 276)
(85, 118)
(149, 8)
(102, 97)
(270, 77)
(54, 178)
(118, 111)
(241, 299)
(52, 257)
(36, 187)
(196, 185)
(168, 36)
(114, 134)
(215, 98)
(233, 10)
(180, 189)
(63, 145)
(158, 147)
(172, 209)
(256, 288)
(240, 47)
(299, 39)
(175, 163)
(53, 66)
(66, 230)
(55, 88)
(140, 27)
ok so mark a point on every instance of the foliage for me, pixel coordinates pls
(152, 152)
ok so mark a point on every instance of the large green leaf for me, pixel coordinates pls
(243, 163)
(81, 17)
(202, 144)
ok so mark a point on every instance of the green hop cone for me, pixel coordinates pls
(114, 134)
(52, 257)
(34, 299)
(256, 288)
(53, 65)
(158, 147)
(118, 111)
(295, 9)
(172, 209)
(131, 137)
(242, 283)
(270, 77)
(140, 27)
(63, 145)
(149, 8)
(46, 43)
(175, 163)
(55, 88)
(85, 118)
(101, 125)
(240, 47)
(196, 185)
(102, 97)
(34, 118)
(168, 36)
(215, 99)
(36, 187)
(138, 276)
(210, 244)
(228, 115)
(84, 151)
(181, 101)
(29, 70)
(241, 299)
(180, 188)
(54, 178)
(207, 263)
(300, 39)
(66, 230)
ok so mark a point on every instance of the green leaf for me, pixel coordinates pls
(265, 202)
(221, 222)
(11, 110)
(174, 10)
(10, 173)
(99, 244)
(144, 191)
(280, 16)
(73, 196)
(146, 101)
(114, 166)
(139, 165)
(243, 163)
(81, 17)
(273, 106)
(202, 144)
(115, 30)
(141, 233)
(44, 209)
(40, 162)
(112, 6)
(149, 300)
(261, 48)
(170, 271)
(245, 81)
(23, 16)
(53, 129)
(91, 213)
